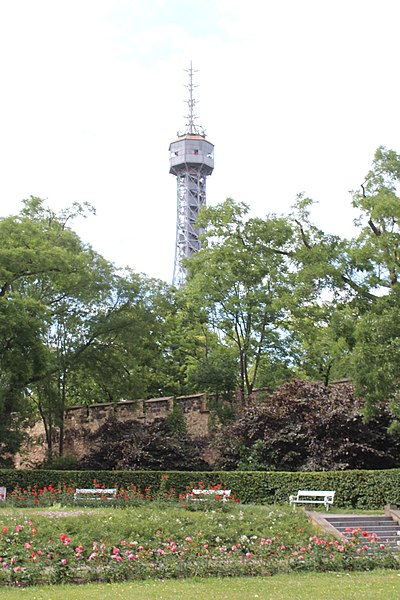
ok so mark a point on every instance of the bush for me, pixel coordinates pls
(306, 426)
(166, 543)
(354, 489)
(162, 444)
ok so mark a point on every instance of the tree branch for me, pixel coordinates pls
(303, 235)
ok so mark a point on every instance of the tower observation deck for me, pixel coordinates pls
(191, 161)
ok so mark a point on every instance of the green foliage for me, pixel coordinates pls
(217, 373)
(361, 489)
(73, 329)
(61, 463)
(376, 253)
(168, 543)
(376, 358)
(239, 278)
(175, 421)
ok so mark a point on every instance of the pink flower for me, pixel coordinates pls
(382, 546)
(27, 545)
(5, 529)
(115, 550)
(248, 554)
(160, 551)
(188, 538)
(18, 527)
(63, 561)
(116, 557)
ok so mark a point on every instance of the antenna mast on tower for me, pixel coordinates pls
(191, 161)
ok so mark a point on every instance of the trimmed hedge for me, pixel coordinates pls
(354, 489)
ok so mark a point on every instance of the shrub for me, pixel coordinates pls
(159, 445)
(306, 426)
(354, 489)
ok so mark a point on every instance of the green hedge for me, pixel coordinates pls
(354, 489)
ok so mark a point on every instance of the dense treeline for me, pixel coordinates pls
(265, 300)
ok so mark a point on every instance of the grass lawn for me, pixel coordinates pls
(299, 586)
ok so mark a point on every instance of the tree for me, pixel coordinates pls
(376, 252)
(240, 278)
(31, 251)
(73, 329)
(216, 373)
(307, 426)
(327, 299)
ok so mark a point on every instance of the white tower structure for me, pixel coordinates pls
(191, 161)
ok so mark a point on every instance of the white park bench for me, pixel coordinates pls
(95, 493)
(3, 494)
(199, 494)
(313, 497)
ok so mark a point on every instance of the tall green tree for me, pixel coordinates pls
(31, 251)
(73, 329)
(376, 253)
(240, 278)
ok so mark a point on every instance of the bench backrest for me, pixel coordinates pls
(96, 491)
(316, 493)
(216, 492)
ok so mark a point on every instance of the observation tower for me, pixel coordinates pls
(191, 159)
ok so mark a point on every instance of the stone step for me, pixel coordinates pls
(380, 535)
(374, 528)
(360, 519)
(386, 529)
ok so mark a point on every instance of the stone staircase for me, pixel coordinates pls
(384, 527)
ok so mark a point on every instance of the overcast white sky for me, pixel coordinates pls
(296, 95)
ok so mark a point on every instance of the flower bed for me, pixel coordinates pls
(25, 559)
(125, 497)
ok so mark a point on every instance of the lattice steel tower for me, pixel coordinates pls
(191, 160)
